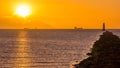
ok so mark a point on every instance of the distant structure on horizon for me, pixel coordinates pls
(76, 28)
(103, 28)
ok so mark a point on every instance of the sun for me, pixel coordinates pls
(23, 10)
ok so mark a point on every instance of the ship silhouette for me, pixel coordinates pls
(76, 28)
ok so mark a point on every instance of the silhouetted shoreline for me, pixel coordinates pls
(105, 53)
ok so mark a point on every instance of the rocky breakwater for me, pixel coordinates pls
(104, 54)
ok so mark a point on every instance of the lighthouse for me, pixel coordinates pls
(103, 28)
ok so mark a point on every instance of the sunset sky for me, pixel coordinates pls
(61, 14)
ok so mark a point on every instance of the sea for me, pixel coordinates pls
(47, 48)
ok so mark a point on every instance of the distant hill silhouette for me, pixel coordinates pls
(105, 53)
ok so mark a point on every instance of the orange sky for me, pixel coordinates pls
(47, 14)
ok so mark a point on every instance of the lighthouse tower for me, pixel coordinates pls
(103, 28)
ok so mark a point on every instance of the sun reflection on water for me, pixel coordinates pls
(23, 51)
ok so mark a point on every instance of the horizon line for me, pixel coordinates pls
(60, 29)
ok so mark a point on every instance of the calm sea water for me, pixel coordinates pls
(45, 48)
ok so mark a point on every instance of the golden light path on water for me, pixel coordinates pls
(23, 51)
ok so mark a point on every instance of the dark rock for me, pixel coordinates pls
(105, 53)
